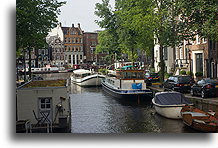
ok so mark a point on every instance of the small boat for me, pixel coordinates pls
(86, 78)
(169, 104)
(127, 85)
(199, 120)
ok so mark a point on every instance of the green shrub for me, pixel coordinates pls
(199, 74)
(152, 70)
(182, 72)
(167, 75)
(190, 73)
(103, 71)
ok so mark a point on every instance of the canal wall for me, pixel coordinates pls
(204, 104)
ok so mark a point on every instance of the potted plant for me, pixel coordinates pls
(199, 75)
(190, 73)
(182, 72)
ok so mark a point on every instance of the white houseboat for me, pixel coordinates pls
(86, 78)
(128, 85)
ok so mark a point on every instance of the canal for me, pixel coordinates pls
(94, 111)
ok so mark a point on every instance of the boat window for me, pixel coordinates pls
(86, 74)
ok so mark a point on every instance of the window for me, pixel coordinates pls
(204, 40)
(45, 103)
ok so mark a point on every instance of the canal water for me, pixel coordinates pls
(94, 111)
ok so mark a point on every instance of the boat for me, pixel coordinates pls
(200, 120)
(86, 78)
(127, 85)
(169, 104)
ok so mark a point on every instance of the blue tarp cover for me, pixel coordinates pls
(171, 99)
(136, 86)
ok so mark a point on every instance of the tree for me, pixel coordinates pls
(34, 19)
(108, 39)
(199, 17)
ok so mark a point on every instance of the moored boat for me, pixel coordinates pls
(199, 120)
(169, 104)
(128, 85)
(86, 78)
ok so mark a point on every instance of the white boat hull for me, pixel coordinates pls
(93, 80)
(169, 111)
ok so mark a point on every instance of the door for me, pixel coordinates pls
(199, 62)
(45, 109)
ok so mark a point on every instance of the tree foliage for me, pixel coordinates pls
(34, 19)
(137, 22)
(200, 17)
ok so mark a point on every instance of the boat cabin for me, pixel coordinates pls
(130, 74)
(81, 73)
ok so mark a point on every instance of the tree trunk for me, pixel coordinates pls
(152, 57)
(162, 64)
(30, 74)
(24, 64)
(133, 59)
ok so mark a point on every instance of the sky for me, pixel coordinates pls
(80, 11)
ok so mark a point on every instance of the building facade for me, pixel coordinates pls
(58, 53)
(168, 58)
(212, 59)
(198, 55)
(73, 45)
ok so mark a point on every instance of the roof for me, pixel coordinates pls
(66, 29)
(45, 83)
(81, 71)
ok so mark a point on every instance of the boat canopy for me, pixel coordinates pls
(130, 74)
(126, 67)
(171, 98)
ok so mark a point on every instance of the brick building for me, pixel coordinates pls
(212, 59)
(73, 45)
(90, 42)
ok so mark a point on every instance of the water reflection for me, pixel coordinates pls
(93, 111)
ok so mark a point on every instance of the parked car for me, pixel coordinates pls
(178, 83)
(151, 78)
(205, 88)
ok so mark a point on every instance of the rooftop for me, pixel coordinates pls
(45, 83)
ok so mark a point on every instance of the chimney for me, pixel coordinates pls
(78, 25)
(60, 24)
(73, 25)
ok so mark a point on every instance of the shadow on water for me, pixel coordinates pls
(125, 102)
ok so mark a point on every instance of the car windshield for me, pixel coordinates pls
(210, 81)
(184, 79)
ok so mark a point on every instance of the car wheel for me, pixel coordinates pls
(203, 94)
(192, 92)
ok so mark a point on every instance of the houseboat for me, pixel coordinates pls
(44, 105)
(86, 78)
(128, 85)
